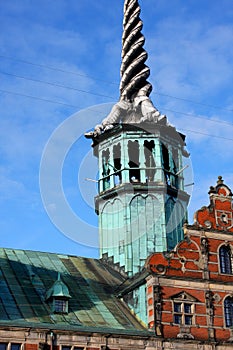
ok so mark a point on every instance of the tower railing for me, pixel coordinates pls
(115, 179)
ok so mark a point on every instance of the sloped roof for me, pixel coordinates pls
(26, 276)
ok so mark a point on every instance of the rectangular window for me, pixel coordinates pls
(187, 320)
(65, 347)
(60, 306)
(177, 307)
(178, 319)
(183, 313)
(3, 346)
(187, 308)
(15, 346)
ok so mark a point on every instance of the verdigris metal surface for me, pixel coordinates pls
(26, 276)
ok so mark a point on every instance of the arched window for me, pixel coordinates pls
(228, 311)
(225, 257)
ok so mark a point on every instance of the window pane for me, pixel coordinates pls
(3, 346)
(188, 320)
(228, 309)
(225, 260)
(64, 347)
(177, 319)
(177, 307)
(187, 308)
(60, 306)
(15, 346)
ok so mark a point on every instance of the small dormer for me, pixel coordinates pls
(219, 214)
(58, 296)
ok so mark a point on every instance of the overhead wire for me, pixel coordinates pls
(56, 84)
(75, 106)
(46, 100)
(106, 96)
(57, 69)
(108, 82)
(195, 102)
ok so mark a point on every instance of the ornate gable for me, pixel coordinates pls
(184, 296)
(219, 214)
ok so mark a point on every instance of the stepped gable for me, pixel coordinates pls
(219, 213)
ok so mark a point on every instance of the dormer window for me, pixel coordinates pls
(58, 296)
(60, 306)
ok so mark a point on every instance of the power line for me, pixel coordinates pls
(108, 82)
(56, 84)
(199, 117)
(38, 98)
(46, 100)
(198, 103)
(92, 93)
(204, 134)
(69, 105)
(75, 106)
(57, 69)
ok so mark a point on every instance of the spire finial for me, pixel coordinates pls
(134, 72)
(220, 180)
(135, 106)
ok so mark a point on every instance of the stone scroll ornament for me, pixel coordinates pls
(134, 105)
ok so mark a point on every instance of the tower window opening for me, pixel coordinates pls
(149, 149)
(117, 163)
(225, 257)
(175, 167)
(133, 152)
(166, 166)
(106, 169)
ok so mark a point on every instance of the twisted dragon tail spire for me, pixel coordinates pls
(134, 106)
(134, 72)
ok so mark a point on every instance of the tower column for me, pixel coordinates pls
(142, 161)
(111, 167)
(125, 162)
(159, 176)
(181, 176)
(101, 187)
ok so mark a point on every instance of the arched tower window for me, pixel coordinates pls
(133, 152)
(228, 311)
(225, 258)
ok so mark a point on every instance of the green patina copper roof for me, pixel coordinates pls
(26, 277)
(58, 289)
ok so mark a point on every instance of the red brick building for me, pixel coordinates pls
(190, 289)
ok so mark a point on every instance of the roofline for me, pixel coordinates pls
(79, 329)
(47, 252)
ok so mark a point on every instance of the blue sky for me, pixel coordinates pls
(77, 44)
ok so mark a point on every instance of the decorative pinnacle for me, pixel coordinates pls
(134, 72)
(134, 106)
